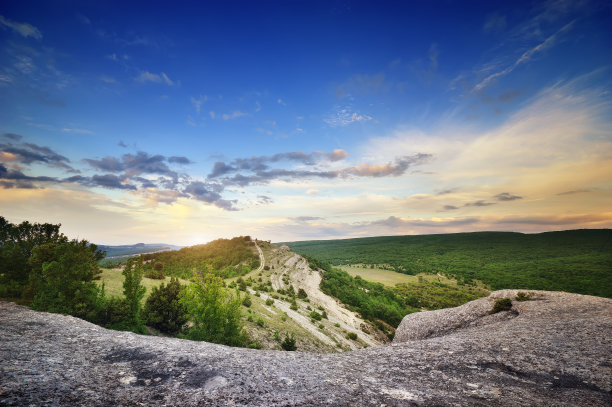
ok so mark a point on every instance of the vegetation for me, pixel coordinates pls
(501, 304)
(214, 312)
(288, 343)
(575, 261)
(372, 300)
(16, 245)
(163, 309)
(521, 296)
(226, 257)
(61, 279)
(134, 291)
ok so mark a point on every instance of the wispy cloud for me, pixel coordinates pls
(346, 116)
(525, 57)
(231, 116)
(77, 131)
(147, 76)
(197, 103)
(24, 29)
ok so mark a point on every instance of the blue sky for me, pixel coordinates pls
(187, 121)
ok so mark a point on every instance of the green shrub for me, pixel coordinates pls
(247, 301)
(163, 310)
(351, 335)
(301, 293)
(260, 322)
(315, 315)
(521, 296)
(269, 301)
(501, 304)
(288, 343)
(155, 274)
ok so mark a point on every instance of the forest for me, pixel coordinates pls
(578, 261)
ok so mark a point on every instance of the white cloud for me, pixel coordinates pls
(345, 116)
(234, 115)
(197, 103)
(525, 57)
(77, 131)
(147, 76)
(24, 29)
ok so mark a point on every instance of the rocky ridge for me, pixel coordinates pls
(553, 350)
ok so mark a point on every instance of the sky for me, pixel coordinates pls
(183, 122)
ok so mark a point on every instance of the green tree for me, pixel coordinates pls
(16, 245)
(215, 313)
(163, 310)
(61, 279)
(134, 291)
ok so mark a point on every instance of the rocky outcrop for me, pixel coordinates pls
(553, 350)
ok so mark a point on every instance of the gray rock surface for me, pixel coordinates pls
(554, 350)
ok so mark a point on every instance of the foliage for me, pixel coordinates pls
(16, 245)
(288, 343)
(351, 335)
(501, 304)
(227, 257)
(371, 300)
(436, 295)
(214, 312)
(61, 279)
(155, 274)
(247, 301)
(134, 291)
(315, 315)
(269, 301)
(575, 261)
(301, 293)
(163, 310)
(521, 296)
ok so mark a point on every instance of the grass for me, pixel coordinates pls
(113, 282)
(388, 277)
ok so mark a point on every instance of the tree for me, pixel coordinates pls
(163, 310)
(16, 245)
(215, 313)
(61, 279)
(134, 291)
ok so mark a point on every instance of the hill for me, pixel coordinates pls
(552, 350)
(578, 261)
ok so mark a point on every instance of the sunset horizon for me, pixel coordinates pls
(290, 121)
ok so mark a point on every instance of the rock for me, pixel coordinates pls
(552, 350)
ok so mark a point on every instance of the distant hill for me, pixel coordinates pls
(134, 249)
(578, 261)
(227, 257)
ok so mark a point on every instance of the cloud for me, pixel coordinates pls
(16, 175)
(135, 164)
(345, 116)
(206, 193)
(479, 203)
(197, 103)
(434, 53)
(179, 160)
(525, 57)
(306, 218)
(110, 181)
(121, 144)
(264, 199)
(77, 131)
(24, 29)
(260, 163)
(29, 153)
(261, 174)
(231, 116)
(495, 23)
(575, 191)
(146, 76)
(506, 196)
(450, 207)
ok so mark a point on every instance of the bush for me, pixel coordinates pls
(301, 293)
(163, 310)
(316, 316)
(351, 335)
(215, 313)
(521, 296)
(294, 305)
(155, 274)
(260, 322)
(247, 301)
(501, 304)
(288, 343)
(269, 301)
